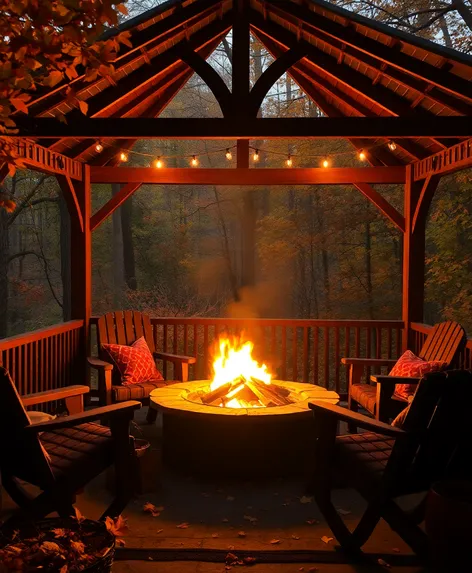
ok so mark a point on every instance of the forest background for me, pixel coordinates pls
(320, 251)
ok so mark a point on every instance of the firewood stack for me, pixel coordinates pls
(250, 393)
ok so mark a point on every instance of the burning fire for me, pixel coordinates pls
(239, 381)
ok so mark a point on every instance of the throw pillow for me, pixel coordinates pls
(135, 363)
(409, 365)
(400, 419)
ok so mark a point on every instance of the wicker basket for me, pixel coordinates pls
(88, 527)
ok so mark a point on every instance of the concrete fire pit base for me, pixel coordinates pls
(238, 442)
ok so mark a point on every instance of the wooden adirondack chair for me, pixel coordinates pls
(444, 343)
(125, 327)
(387, 462)
(62, 455)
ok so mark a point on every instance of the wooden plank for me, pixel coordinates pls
(247, 128)
(382, 205)
(447, 161)
(246, 176)
(426, 196)
(110, 206)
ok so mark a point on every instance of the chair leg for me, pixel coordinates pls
(401, 523)
(354, 407)
(151, 415)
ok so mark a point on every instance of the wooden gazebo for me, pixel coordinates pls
(375, 85)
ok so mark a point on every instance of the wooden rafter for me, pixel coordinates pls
(126, 191)
(457, 157)
(188, 176)
(443, 79)
(424, 201)
(382, 205)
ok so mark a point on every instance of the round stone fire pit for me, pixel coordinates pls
(240, 442)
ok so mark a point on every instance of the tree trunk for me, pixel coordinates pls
(128, 244)
(464, 11)
(118, 270)
(368, 268)
(4, 254)
(65, 243)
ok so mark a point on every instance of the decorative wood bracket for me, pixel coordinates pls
(42, 159)
(211, 77)
(271, 75)
(70, 196)
(382, 205)
(113, 204)
(424, 201)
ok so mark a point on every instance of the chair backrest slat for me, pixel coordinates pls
(129, 327)
(120, 328)
(444, 343)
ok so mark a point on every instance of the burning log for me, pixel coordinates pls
(242, 393)
(217, 394)
(272, 391)
(266, 398)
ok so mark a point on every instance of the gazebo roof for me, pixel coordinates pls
(349, 65)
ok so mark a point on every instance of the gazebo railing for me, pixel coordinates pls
(299, 350)
(44, 359)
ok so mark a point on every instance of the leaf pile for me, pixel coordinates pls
(61, 550)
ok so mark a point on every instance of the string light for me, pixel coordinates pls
(194, 161)
(158, 163)
(392, 145)
(325, 163)
(255, 155)
(123, 157)
(98, 147)
(289, 161)
(362, 156)
(228, 154)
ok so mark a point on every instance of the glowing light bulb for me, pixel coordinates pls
(98, 147)
(194, 161)
(157, 163)
(392, 145)
(289, 161)
(362, 155)
(229, 155)
(255, 155)
(123, 157)
(325, 163)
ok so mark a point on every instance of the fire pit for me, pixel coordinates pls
(238, 424)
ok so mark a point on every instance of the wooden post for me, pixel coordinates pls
(413, 259)
(81, 264)
(249, 221)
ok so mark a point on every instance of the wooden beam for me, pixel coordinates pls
(240, 59)
(384, 54)
(110, 206)
(447, 161)
(70, 197)
(382, 205)
(4, 170)
(247, 128)
(424, 202)
(243, 176)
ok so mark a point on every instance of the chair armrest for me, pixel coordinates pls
(392, 380)
(99, 364)
(89, 416)
(177, 358)
(51, 395)
(357, 419)
(368, 361)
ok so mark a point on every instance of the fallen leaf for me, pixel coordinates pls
(231, 558)
(250, 518)
(64, 569)
(396, 550)
(117, 527)
(275, 541)
(214, 535)
(231, 547)
(159, 531)
(182, 526)
(83, 105)
(228, 567)
(295, 537)
(383, 563)
(225, 520)
(241, 534)
(301, 569)
(306, 499)
(230, 498)
(60, 532)
(49, 547)
(78, 547)
(120, 542)
(312, 521)
(78, 515)
(152, 509)
(249, 560)
(326, 539)
(343, 511)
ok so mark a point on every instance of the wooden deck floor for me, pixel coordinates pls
(274, 516)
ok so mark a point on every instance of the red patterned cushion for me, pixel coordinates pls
(410, 366)
(135, 363)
